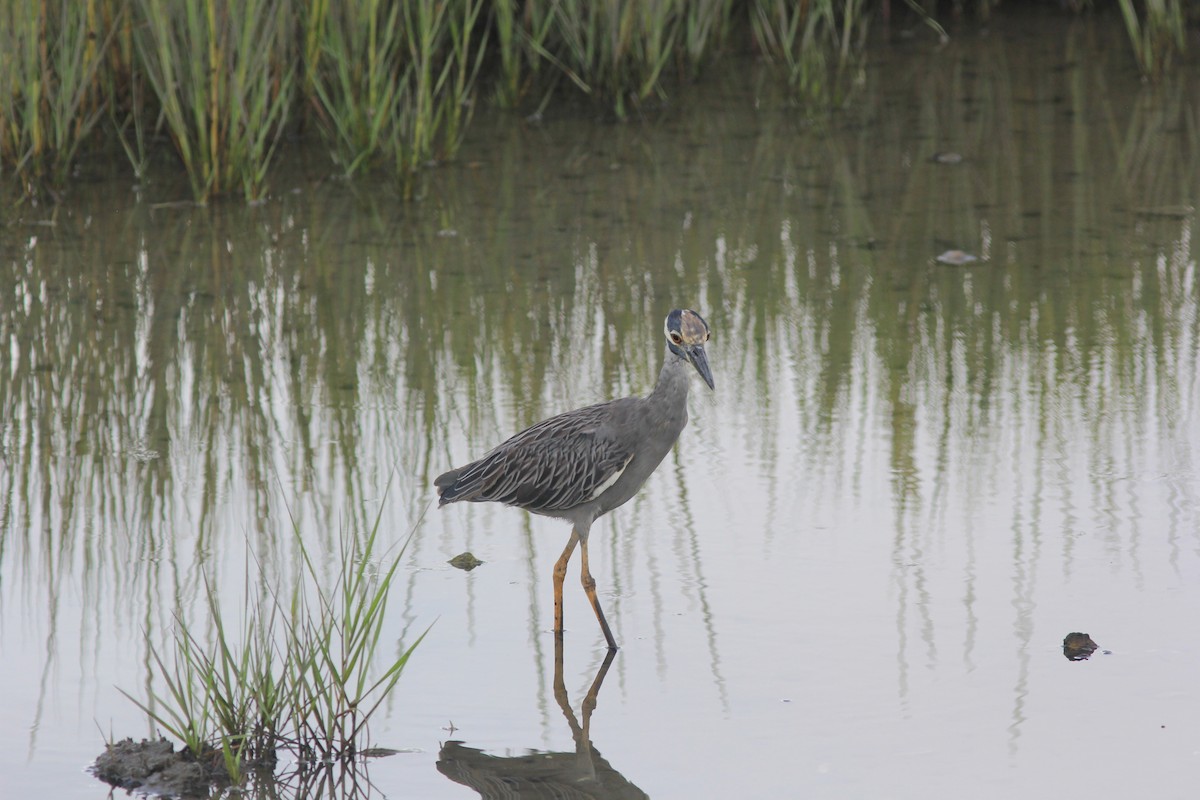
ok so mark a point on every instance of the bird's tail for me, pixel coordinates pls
(445, 484)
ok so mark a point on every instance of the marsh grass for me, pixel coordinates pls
(222, 74)
(297, 672)
(332, 691)
(393, 81)
(391, 85)
(49, 103)
(355, 98)
(1156, 33)
(617, 50)
(818, 46)
(522, 31)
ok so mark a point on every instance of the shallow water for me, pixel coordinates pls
(853, 575)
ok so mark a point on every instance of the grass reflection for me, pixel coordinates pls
(169, 373)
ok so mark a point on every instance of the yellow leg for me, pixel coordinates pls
(560, 572)
(589, 586)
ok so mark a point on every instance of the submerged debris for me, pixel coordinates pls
(1078, 646)
(465, 561)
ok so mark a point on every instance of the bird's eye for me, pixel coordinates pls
(676, 338)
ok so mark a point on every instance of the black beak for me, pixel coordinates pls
(695, 354)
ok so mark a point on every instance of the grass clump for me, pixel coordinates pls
(49, 95)
(299, 675)
(1157, 33)
(618, 51)
(817, 45)
(392, 82)
(222, 75)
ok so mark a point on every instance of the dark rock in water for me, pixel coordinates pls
(465, 561)
(154, 767)
(1078, 646)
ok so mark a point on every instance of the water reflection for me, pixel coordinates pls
(580, 773)
(959, 451)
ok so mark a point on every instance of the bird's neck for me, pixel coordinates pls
(672, 379)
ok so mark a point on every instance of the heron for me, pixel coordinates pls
(579, 465)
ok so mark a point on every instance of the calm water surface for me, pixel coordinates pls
(851, 578)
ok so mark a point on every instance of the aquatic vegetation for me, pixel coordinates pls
(296, 673)
(1156, 35)
(222, 75)
(49, 98)
(391, 84)
(355, 100)
(520, 38)
(392, 81)
(615, 50)
(818, 45)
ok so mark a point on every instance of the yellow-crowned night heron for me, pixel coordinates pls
(584, 463)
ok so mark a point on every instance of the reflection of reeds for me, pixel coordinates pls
(163, 367)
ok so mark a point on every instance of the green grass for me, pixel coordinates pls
(355, 67)
(297, 672)
(817, 45)
(49, 104)
(390, 85)
(1156, 33)
(222, 75)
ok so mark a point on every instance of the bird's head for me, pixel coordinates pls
(686, 334)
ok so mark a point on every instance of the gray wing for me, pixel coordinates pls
(554, 465)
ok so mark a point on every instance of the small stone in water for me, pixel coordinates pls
(956, 258)
(465, 561)
(1078, 646)
(947, 158)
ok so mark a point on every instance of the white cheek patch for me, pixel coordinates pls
(604, 487)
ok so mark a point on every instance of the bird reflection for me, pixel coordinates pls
(581, 774)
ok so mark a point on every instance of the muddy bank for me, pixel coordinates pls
(155, 767)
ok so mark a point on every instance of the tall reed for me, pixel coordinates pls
(522, 30)
(817, 44)
(300, 676)
(1156, 34)
(393, 81)
(615, 50)
(222, 73)
(446, 47)
(355, 68)
(49, 103)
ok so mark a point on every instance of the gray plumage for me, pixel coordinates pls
(584, 463)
